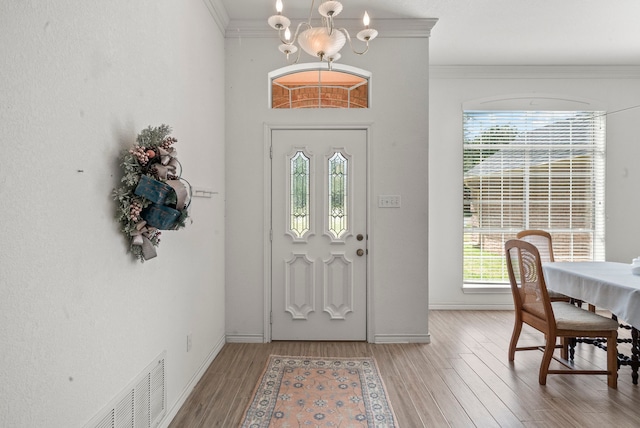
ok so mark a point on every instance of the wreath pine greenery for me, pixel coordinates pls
(137, 161)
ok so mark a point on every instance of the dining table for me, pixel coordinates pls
(606, 285)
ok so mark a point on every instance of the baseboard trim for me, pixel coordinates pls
(245, 338)
(192, 383)
(458, 307)
(402, 338)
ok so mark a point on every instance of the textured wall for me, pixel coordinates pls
(79, 318)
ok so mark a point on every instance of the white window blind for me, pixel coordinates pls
(532, 170)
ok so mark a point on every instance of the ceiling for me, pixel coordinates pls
(496, 32)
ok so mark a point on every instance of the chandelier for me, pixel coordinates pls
(323, 42)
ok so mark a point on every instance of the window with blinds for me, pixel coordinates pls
(532, 170)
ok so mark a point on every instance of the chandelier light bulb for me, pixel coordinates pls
(287, 34)
(279, 6)
(365, 20)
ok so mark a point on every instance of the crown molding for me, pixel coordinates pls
(218, 13)
(405, 28)
(534, 72)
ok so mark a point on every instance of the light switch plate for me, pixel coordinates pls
(389, 201)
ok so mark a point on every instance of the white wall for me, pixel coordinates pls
(398, 239)
(611, 89)
(79, 318)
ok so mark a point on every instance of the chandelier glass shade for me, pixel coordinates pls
(325, 41)
(318, 42)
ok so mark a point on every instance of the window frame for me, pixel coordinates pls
(471, 285)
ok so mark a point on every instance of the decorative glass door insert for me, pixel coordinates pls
(338, 191)
(299, 194)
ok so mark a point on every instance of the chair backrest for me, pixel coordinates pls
(528, 287)
(541, 239)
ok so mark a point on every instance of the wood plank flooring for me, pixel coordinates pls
(461, 379)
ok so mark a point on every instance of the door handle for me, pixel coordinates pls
(360, 252)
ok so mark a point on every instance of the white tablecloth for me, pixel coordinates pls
(607, 285)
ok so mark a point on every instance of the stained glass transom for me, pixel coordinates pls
(300, 216)
(338, 180)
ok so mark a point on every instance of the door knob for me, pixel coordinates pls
(359, 237)
(360, 252)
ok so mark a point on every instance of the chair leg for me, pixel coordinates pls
(564, 351)
(547, 356)
(517, 328)
(612, 360)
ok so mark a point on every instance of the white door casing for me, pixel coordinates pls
(318, 274)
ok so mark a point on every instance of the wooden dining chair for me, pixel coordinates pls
(554, 319)
(542, 240)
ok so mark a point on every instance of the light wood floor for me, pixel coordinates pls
(461, 379)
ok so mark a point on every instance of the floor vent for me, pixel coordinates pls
(142, 404)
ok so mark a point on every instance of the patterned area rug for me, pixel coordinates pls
(319, 392)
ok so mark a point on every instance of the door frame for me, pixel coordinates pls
(268, 217)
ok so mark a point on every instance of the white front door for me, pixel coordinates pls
(319, 243)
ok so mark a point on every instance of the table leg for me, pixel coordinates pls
(572, 348)
(635, 355)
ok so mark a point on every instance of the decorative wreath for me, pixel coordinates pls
(153, 195)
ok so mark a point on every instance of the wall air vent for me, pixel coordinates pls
(143, 404)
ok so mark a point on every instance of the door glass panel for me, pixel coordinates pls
(300, 217)
(338, 177)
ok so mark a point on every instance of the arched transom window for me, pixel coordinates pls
(315, 86)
